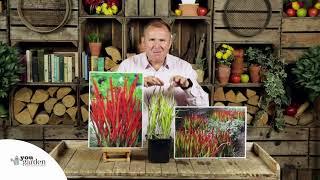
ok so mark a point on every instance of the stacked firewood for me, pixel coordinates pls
(55, 105)
(84, 107)
(248, 98)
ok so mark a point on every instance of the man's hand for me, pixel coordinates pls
(152, 81)
(180, 81)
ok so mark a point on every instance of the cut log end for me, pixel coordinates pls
(59, 109)
(42, 118)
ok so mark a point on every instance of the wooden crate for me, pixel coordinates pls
(131, 8)
(43, 14)
(269, 35)
(71, 155)
(288, 147)
(162, 7)
(298, 34)
(3, 28)
(146, 7)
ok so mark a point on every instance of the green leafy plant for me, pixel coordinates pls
(94, 38)
(161, 114)
(275, 95)
(10, 69)
(224, 55)
(257, 56)
(307, 72)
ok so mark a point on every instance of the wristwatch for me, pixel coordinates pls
(189, 86)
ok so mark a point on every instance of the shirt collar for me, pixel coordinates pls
(145, 63)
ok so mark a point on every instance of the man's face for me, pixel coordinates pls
(157, 42)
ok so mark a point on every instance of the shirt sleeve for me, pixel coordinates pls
(123, 67)
(196, 96)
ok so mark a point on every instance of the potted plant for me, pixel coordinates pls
(224, 57)
(255, 57)
(11, 70)
(307, 74)
(94, 44)
(161, 114)
(237, 64)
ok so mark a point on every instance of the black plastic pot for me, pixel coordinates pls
(159, 150)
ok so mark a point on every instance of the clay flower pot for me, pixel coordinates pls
(254, 71)
(223, 74)
(95, 49)
(237, 66)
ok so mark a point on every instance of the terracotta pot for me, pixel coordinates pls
(238, 52)
(189, 9)
(95, 49)
(223, 74)
(237, 66)
(254, 71)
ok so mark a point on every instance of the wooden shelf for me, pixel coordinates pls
(100, 17)
(46, 84)
(241, 85)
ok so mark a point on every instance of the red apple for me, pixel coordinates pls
(312, 12)
(291, 12)
(235, 78)
(291, 111)
(202, 11)
(301, 4)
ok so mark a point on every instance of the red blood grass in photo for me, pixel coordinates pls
(227, 115)
(199, 143)
(117, 117)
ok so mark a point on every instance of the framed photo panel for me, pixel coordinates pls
(115, 109)
(210, 132)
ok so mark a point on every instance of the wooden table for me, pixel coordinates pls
(78, 161)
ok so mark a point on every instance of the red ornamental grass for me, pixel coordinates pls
(194, 122)
(116, 117)
(199, 143)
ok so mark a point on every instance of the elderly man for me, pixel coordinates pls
(163, 70)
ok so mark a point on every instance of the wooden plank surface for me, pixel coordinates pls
(296, 40)
(153, 169)
(43, 17)
(314, 147)
(314, 163)
(251, 21)
(296, 161)
(50, 145)
(121, 168)
(3, 36)
(3, 22)
(137, 167)
(1, 133)
(287, 134)
(64, 157)
(25, 132)
(299, 24)
(314, 133)
(162, 7)
(63, 34)
(289, 173)
(285, 147)
(90, 162)
(131, 8)
(304, 174)
(169, 169)
(200, 168)
(276, 5)
(104, 168)
(146, 8)
(267, 36)
(44, 4)
(184, 167)
(291, 55)
(69, 132)
(83, 162)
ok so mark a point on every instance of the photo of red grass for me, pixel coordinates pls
(115, 109)
(208, 132)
